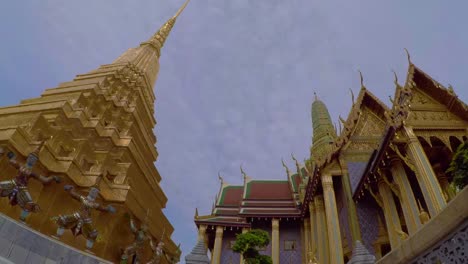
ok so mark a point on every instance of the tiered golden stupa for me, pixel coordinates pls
(101, 123)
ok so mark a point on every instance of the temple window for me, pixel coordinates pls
(289, 245)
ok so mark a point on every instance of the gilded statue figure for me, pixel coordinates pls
(141, 235)
(80, 222)
(17, 189)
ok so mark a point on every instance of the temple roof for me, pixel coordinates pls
(267, 190)
(445, 96)
(256, 198)
(231, 195)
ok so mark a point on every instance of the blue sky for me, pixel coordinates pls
(237, 77)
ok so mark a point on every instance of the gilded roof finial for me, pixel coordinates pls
(243, 173)
(352, 95)
(220, 178)
(396, 78)
(362, 80)
(286, 167)
(339, 124)
(450, 89)
(298, 166)
(408, 56)
(196, 212)
(158, 39)
(342, 120)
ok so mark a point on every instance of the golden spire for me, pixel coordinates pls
(158, 39)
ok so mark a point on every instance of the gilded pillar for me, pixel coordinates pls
(427, 179)
(322, 234)
(392, 219)
(244, 230)
(275, 247)
(202, 232)
(352, 213)
(313, 228)
(218, 245)
(306, 235)
(334, 235)
(407, 200)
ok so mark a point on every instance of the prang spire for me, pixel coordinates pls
(323, 130)
(160, 37)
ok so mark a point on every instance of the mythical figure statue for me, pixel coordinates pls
(141, 236)
(157, 251)
(17, 189)
(80, 222)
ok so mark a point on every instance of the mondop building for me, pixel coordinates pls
(379, 179)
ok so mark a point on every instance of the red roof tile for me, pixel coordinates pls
(231, 196)
(268, 190)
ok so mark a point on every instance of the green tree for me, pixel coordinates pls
(459, 166)
(247, 244)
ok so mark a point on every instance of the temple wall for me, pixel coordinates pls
(227, 255)
(355, 170)
(290, 232)
(368, 222)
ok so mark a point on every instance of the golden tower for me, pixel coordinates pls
(100, 123)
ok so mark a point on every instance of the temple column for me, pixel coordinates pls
(427, 179)
(444, 183)
(303, 251)
(334, 234)
(275, 247)
(306, 236)
(218, 245)
(407, 200)
(352, 213)
(202, 232)
(392, 219)
(244, 230)
(322, 234)
(313, 232)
